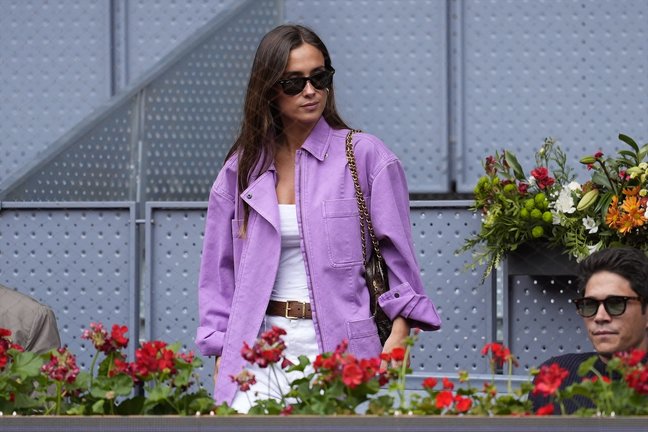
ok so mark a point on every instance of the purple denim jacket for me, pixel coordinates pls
(237, 274)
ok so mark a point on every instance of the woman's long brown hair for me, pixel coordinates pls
(261, 126)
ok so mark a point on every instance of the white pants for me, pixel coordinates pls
(300, 339)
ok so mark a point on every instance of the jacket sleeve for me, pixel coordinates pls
(43, 335)
(216, 280)
(390, 214)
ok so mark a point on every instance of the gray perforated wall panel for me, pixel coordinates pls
(79, 259)
(572, 69)
(543, 321)
(465, 305)
(173, 247)
(443, 82)
(54, 69)
(155, 26)
(98, 166)
(193, 110)
(391, 80)
(540, 320)
(164, 138)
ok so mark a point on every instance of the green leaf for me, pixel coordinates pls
(642, 152)
(601, 179)
(513, 163)
(26, 364)
(587, 365)
(629, 154)
(132, 406)
(98, 407)
(626, 139)
(159, 393)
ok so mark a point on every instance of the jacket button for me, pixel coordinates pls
(249, 196)
(396, 295)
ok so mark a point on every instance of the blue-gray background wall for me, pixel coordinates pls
(89, 86)
(444, 82)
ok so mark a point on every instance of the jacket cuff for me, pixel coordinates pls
(210, 341)
(417, 309)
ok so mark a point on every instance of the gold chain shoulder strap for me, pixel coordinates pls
(365, 217)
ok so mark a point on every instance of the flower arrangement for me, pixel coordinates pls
(626, 394)
(610, 209)
(161, 380)
(339, 383)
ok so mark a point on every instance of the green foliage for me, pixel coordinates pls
(608, 210)
(161, 381)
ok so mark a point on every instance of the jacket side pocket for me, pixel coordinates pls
(363, 338)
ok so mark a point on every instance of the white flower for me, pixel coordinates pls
(646, 213)
(574, 186)
(555, 217)
(532, 181)
(565, 202)
(590, 224)
(594, 248)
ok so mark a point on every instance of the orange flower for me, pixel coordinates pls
(632, 191)
(612, 217)
(630, 204)
(625, 224)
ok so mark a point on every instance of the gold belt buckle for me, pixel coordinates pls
(288, 308)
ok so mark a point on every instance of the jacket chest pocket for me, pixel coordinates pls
(342, 230)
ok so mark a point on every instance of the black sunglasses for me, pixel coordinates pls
(320, 80)
(614, 305)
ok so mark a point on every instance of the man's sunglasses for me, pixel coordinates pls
(320, 80)
(614, 305)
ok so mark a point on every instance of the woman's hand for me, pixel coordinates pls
(400, 331)
(216, 366)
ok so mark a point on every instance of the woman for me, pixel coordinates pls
(282, 222)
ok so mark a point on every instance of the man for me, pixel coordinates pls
(32, 325)
(614, 289)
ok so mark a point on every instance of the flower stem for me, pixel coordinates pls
(607, 174)
(401, 377)
(281, 393)
(59, 391)
(509, 386)
(92, 366)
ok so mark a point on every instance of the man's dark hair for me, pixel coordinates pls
(629, 263)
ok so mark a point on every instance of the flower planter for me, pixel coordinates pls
(540, 259)
(315, 424)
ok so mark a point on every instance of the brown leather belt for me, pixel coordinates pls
(291, 309)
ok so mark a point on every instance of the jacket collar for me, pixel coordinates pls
(261, 195)
(318, 142)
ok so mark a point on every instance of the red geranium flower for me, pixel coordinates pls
(462, 404)
(117, 336)
(62, 366)
(398, 354)
(500, 353)
(352, 375)
(447, 384)
(632, 358)
(429, 383)
(444, 399)
(548, 380)
(245, 380)
(638, 380)
(545, 410)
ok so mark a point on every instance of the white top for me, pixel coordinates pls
(290, 283)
